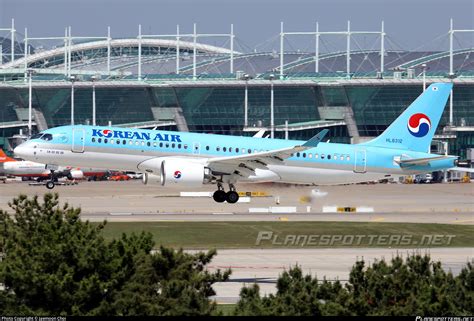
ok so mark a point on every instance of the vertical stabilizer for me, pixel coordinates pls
(415, 127)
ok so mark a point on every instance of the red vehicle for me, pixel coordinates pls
(119, 177)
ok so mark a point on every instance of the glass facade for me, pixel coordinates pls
(220, 109)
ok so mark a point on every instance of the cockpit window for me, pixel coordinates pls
(47, 137)
(36, 136)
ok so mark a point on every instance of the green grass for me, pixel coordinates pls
(204, 235)
(225, 309)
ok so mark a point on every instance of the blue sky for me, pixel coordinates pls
(409, 23)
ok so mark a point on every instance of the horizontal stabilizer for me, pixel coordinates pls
(419, 161)
(462, 169)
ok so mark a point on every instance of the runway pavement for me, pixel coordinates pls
(464, 218)
(132, 201)
(264, 265)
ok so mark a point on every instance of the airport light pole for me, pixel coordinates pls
(139, 52)
(451, 121)
(246, 101)
(424, 76)
(93, 79)
(72, 79)
(12, 39)
(272, 119)
(30, 73)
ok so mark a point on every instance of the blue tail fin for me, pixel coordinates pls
(415, 127)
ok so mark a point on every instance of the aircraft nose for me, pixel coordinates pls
(22, 151)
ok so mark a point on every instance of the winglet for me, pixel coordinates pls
(316, 139)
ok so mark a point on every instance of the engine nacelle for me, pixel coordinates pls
(151, 179)
(184, 172)
(75, 174)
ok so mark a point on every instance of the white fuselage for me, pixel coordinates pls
(293, 171)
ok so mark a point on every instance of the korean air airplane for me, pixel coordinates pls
(191, 159)
(40, 172)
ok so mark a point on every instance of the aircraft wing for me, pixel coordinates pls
(245, 165)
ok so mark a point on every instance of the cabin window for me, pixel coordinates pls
(137, 142)
(161, 145)
(154, 144)
(179, 146)
(224, 149)
(112, 142)
(297, 154)
(310, 155)
(167, 145)
(249, 151)
(185, 146)
(93, 139)
(329, 156)
(118, 141)
(322, 156)
(304, 155)
(172, 145)
(230, 149)
(237, 150)
(348, 157)
(342, 157)
(218, 148)
(106, 140)
(207, 147)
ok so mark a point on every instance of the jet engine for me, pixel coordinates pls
(75, 174)
(184, 172)
(151, 179)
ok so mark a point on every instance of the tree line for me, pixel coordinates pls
(55, 264)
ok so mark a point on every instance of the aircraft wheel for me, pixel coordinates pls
(219, 196)
(232, 197)
(50, 185)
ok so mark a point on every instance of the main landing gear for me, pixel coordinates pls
(221, 196)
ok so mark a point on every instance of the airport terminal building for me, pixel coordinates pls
(151, 82)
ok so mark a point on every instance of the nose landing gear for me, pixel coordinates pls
(51, 183)
(221, 196)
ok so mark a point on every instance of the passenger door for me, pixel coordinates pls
(78, 140)
(360, 161)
